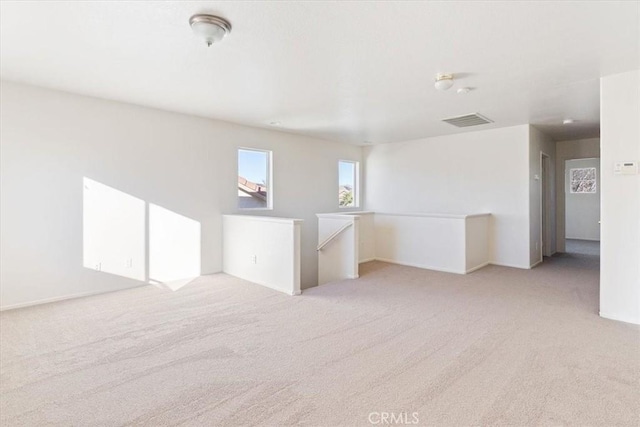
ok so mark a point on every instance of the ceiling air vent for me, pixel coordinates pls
(474, 119)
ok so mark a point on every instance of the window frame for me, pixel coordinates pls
(356, 183)
(269, 182)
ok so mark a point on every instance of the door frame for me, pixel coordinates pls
(545, 205)
(563, 195)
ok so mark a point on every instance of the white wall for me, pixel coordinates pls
(431, 242)
(620, 198)
(442, 242)
(582, 210)
(263, 250)
(541, 143)
(566, 150)
(483, 171)
(451, 243)
(477, 242)
(366, 235)
(113, 229)
(338, 240)
(51, 140)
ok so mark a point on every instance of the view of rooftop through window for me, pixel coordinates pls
(253, 179)
(583, 180)
(347, 172)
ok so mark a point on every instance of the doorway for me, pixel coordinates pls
(582, 206)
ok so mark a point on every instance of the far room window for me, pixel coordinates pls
(254, 179)
(583, 180)
(347, 184)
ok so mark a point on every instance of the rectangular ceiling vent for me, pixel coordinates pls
(467, 120)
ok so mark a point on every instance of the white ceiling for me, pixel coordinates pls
(345, 71)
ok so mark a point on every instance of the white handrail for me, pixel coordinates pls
(334, 235)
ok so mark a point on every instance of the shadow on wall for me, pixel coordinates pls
(126, 236)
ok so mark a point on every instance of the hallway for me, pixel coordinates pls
(583, 247)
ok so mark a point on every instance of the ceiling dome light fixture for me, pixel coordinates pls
(568, 121)
(443, 81)
(209, 27)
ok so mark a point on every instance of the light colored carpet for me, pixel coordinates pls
(583, 247)
(500, 346)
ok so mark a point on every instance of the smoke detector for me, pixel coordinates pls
(211, 28)
(444, 81)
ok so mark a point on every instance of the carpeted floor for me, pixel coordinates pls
(584, 247)
(500, 346)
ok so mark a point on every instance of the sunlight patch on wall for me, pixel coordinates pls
(113, 231)
(122, 233)
(174, 245)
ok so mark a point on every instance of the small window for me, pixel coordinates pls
(347, 184)
(254, 179)
(583, 180)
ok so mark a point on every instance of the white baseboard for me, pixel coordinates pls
(522, 267)
(425, 267)
(620, 319)
(535, 263)
(477, 267)
(64, 298)
(367, 260)
(266, 285)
